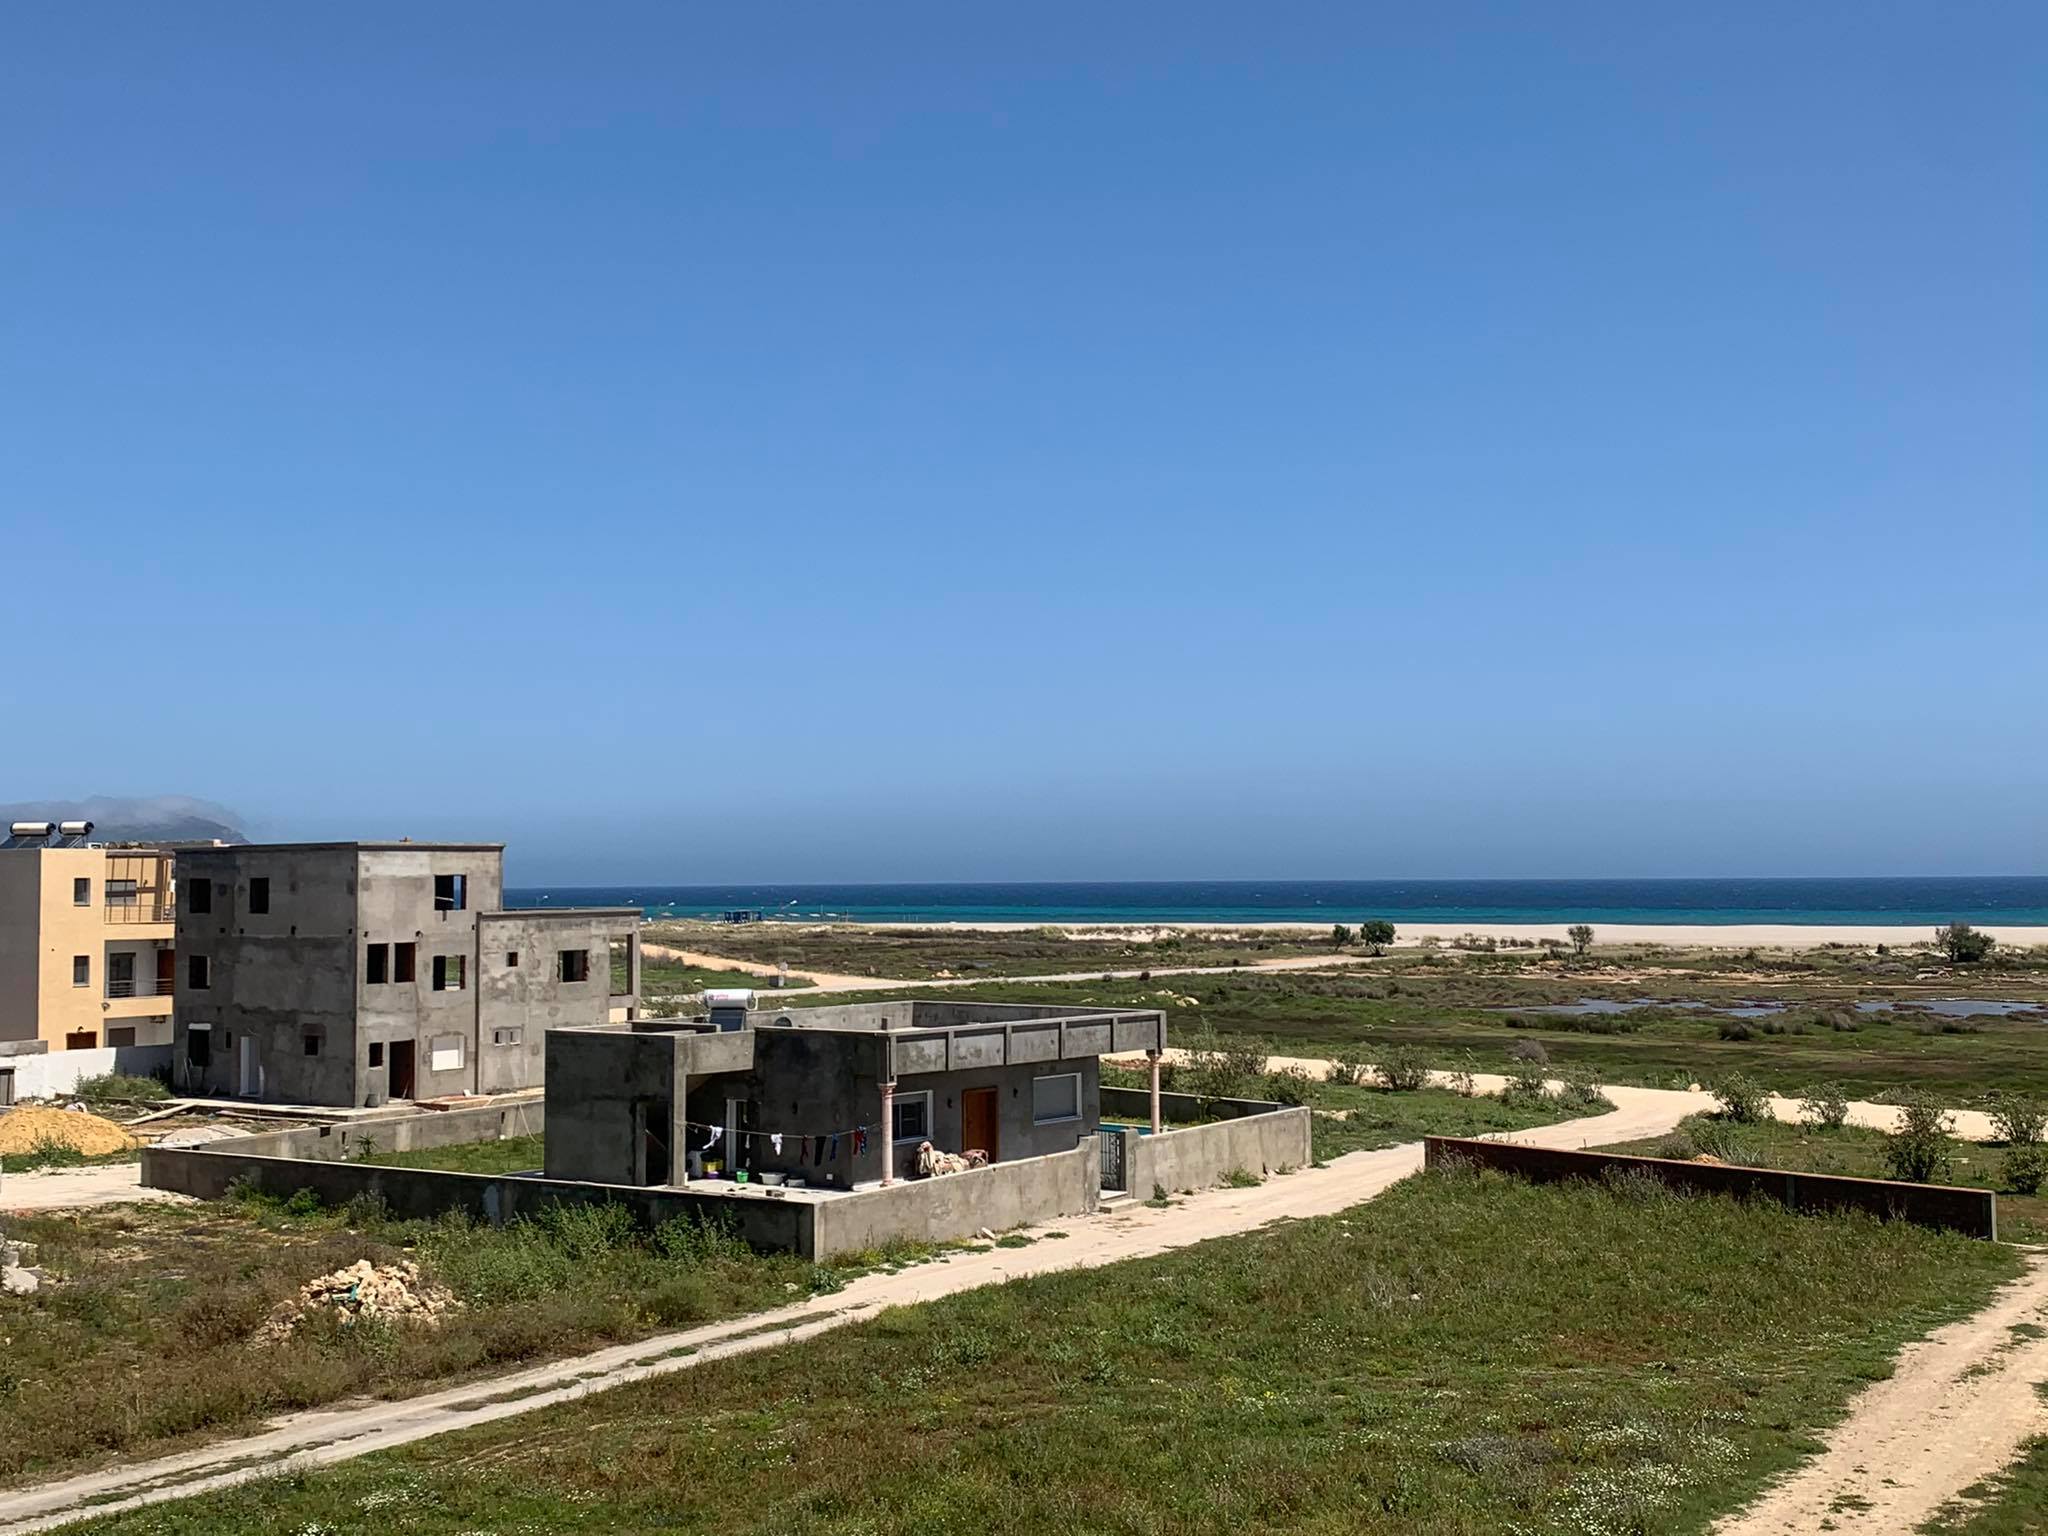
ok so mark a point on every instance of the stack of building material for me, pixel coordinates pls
(27, 1127)
(388, 1292)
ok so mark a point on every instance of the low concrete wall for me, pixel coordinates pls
(410, 1130)
(497, 1198)
(1179, 1108)
(1970, 1211)
(1198, 1156)
(53, 1074)
(955, 1205)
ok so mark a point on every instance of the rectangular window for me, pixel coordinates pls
(510, 1035)
(120, 1034)
(913, 1117)
(451, 972)
(81, 892)
(451, 893)
(401, 962)
(199, 896)
(259, 894)
(1056, 1098)
(377, 1053)
(312, 1045)
(199, 1045)
(511, 959)
(6, 1086)
(575, 965)
(445, 1054)
(122, 893)
(81, 970)
(376, 965)
(81, 1040)
(195, 972)
(121, 975)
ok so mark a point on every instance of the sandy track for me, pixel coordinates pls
(1127, 1231)
(63, 1188)
(1956, 1410)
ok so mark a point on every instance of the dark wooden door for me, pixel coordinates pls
(166, 971)
(978, 1121)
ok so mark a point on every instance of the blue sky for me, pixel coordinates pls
(831, 442)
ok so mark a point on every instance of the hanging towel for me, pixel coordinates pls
(860, 1140)
(775, 1143)
(835, 1148)
(716, 1132)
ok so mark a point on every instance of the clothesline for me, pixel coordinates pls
(811, 1150)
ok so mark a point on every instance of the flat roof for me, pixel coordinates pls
(375, 847)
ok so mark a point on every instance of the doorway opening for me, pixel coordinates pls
(402, 1052)
(978, 1122)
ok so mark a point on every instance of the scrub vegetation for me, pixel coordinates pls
(1643, 1362)
(511, 1154)
(143, 1336)
(2014, 1503)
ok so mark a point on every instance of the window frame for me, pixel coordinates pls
(259, 895)
(81, 890)
(376, 965)
(120, 893)
(1056, 1077)
(81, 970)
(199, 897)
(562, 967)
(198, 973)
(443, 967)
(902, 1102)
(457, 899)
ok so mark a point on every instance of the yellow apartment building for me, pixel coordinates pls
(86, 939)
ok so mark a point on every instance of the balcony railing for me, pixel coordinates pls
(147, 907)
(141, 986)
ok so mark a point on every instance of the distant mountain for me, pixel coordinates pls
(148, 818)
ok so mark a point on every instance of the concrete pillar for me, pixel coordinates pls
(888, 1131)
(1152, 1057)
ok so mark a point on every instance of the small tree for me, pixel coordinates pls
(1918, 1150)
(1339, 934)
(1377, 933)
(1581, 935)
(1825, 1108)
(1742, 1099)
(1963, 944)
(2020, 1120)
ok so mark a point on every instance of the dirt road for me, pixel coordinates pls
(59, 1188)
(1128, 1231)
(1956, 1410)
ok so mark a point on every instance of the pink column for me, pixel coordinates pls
(1153, 1057)
(888, 1133)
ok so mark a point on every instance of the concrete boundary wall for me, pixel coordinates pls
(956, 1205)
(496, 1198)
(1199, 1156)
(1973, 1212)
(54, 1074)
(1180, 1108)
(409, 1131)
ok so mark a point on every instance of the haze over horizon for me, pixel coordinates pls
(937, 445)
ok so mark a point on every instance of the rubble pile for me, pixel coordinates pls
(388, 1292)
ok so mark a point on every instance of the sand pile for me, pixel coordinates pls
(362, 1289)
(27, 1126)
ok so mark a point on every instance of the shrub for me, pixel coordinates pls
(119, 1087)
(1742, 1100)
(1581, 935)
(1530, 1051)
(1825, 1108)
(1708, 1137)
(2020, 1120)
(2026, 1165)
(1963, 944)
(1462, 1081)
(1580, 1091)
(1288, 1085)
(1339, 934)
(1350, 1069)
(1526, 1085)
(1918, 1150)
(1402, 1070)
(1736, 1029)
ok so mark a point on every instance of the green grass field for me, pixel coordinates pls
(1466, 1355)
(2015, 1503)
(512, 1154)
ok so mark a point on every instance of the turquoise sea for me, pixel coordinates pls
(1904, 902)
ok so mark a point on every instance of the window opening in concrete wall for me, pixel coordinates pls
(195, 972)
(575, 965)
(508, 1035)
(312, 1044)
(6, 1086)
(913, 1116)
(81, 892)
(621, 965)
(1056, 1098)
(377, 965)
(376, 1053)
(402, 962)
(199, 1045)
(511, 959)
(451, 972)
(259, 894)
(445, 1053)
(199, 896)
(81, 970)
(451, 893)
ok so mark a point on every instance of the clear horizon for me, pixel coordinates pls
(1075, 444)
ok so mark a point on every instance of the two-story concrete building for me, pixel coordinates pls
(356, 973)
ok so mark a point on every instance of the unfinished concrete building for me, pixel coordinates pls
(834, 1097)
(355, 973)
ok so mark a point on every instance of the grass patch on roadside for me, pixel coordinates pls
(1375, 1117)
(141, 1339)
(1469, 1354)
(510, 1154)
(1849, 1150)
(2014, 1503)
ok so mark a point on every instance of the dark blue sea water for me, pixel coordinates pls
(1906, 902)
